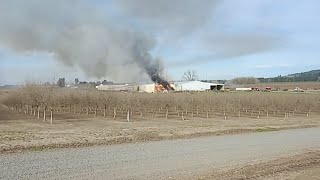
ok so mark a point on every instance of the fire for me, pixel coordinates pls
(164, 87)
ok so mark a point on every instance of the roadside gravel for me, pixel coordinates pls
(158, 160)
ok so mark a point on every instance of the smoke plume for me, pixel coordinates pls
(77, 34)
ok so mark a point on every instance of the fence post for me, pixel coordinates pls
(128, 116)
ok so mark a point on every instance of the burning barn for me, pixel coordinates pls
(197, 86)
(164, 86)
(155, 87)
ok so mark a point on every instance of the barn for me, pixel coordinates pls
(115, 87)
(197, 86)
(148, 88)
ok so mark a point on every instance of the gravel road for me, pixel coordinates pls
(157, 160)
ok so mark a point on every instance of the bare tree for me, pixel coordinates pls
(190, 75)
(33, 99)
(244, 80)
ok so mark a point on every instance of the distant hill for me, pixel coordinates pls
(308, 76)
(8, 86)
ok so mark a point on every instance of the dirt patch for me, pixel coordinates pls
(302, 166)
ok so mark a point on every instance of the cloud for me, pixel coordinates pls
(177, 16)
(221, 46)
(199, 22)
(226, 44)
(270, 66)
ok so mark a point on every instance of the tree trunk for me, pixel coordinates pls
(128, 116)
(182, 115)
(167, 112)
(44, 114)
(51, 116)
(104, 112)
(38, 113)
(114, 113)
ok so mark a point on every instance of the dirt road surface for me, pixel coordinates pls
(172, 159)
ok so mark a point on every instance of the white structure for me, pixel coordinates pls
(197, 86)
(243, 89)
(149, 88)
(115, 87)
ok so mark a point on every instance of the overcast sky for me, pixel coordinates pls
(218, 39)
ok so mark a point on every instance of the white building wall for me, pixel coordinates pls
(111, 87)
(148, 88)
(243, 89)
(194, 86)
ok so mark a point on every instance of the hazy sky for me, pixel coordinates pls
(218, 39)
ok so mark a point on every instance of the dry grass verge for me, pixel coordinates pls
(306, 166)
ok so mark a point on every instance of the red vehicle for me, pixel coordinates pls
(268, 88)
(255, 89)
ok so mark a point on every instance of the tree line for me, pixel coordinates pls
(45, 103)
(310, 76)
